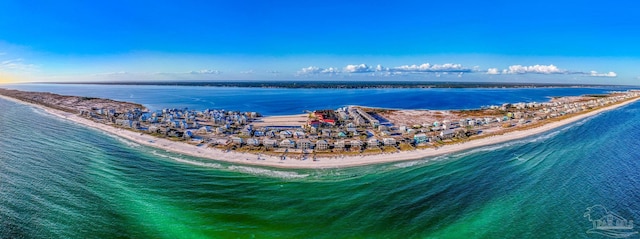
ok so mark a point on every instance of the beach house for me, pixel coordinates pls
(222, 142)
(518, 115)
(188, 134)
(184, 124)
(420, 138)
(351, 127)
(372, 120)
(237, 140)
(339, 145)
(270, 143)
(389, 142)
(299, 135)
(446, 124)
(125, 123)
(153, 129)
(462, 122)
(342, 115)
(258, 133)
(373, 143)
(304, 144)
(246, 131)
(326, 133)
(285, 134)
(322, 145)
(204, 130)
(270, 134)
(287, 143)
(445, 134)
(356, 144)
(253, 142)
(383, 128)
(313, 123)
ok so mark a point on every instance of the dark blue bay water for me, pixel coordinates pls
(279, 101)
(62, 180)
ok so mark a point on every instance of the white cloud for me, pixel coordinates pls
(409, 68)
(362, 68)
(449, 68)
(440, 69)
(596, 74)
(545, 69)
(207, 72)
(426, 67)
(536, 69)
(310, 70)
(313, 70)
(16, 65)
(493, 71)
(380, 68)
(423, 68)
(330, 70)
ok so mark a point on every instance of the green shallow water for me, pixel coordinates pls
(61, 180)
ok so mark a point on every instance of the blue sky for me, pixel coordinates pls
(539, 41)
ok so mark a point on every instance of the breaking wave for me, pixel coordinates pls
(127, 142)
(242, 169)
(267, 172)
(411, 163)
(191, 162)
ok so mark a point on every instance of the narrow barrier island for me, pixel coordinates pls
(322, 138)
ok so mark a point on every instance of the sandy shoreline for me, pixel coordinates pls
(334, 162)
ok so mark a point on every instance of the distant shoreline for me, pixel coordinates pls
(322, 162)
(343, 84)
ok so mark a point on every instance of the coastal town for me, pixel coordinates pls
(349, 130)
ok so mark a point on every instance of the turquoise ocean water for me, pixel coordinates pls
(62, 180)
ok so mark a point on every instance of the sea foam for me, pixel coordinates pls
(267, 172)
(191, 162)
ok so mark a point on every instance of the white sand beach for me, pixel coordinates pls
(333, 162)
